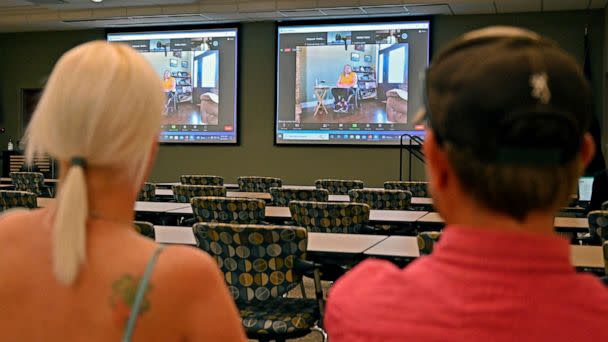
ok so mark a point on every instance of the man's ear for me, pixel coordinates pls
(437, 165)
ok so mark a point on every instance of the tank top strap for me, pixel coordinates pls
(139, 295)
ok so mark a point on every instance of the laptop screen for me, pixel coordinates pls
(585, 187)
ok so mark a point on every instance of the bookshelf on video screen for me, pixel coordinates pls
(198, 71)
(350, 83)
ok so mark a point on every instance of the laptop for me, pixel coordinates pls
(585, 188)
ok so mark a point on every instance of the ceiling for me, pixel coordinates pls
(33, 15)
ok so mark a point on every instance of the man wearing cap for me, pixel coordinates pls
(507, 116)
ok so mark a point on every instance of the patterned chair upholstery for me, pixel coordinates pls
(258, 184)
(426, 241)
(229, 210)
(17, 199)
(147, 193)
(144, 228)
(338, 186)
(331, 217)
(382, 199)
(184, 193)
(605, 248)
(271, 253)
(598, 225)
(201, 180)
(282, 196)
(31, 182)
(418, 189)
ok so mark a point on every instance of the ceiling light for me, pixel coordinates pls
(97, 1)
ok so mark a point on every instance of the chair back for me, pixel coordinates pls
(147, 193)
(605, 249)
(426, 241)
(201, 180)
(17, 199)
(382, 199)
(418, 189)
(338, 186)
(28, 181)
(598, 224)
(330, 217)
(184, 193)
(282, 196)
(257, 260)
(144, 228)
(258, 184)
(229, 210)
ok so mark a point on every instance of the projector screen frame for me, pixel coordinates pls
(238, 60)
(341, 21)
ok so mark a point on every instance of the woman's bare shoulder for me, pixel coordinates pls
(188, 265)
(15, 220)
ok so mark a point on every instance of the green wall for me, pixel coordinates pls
(27, 58)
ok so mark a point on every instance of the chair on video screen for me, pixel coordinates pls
(350, 96)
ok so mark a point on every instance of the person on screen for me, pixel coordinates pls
(345, 89)
(170, 90)
(80, 260)
(508, 115)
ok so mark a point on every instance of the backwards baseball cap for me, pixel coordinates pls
(508, 96)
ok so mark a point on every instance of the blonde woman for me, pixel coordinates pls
(77, 271)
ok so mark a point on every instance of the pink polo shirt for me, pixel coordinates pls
(477, 285)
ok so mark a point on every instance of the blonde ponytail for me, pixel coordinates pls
(111, 122)
(69, 228)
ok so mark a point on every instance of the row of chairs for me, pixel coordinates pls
(31, 182)
(334, 186)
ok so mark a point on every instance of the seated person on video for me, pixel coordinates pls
(345, 89)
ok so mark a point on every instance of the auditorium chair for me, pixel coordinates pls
(144, 228)
(147, 193)
(598, 228)
(184, 193)
(10, 199)
(418, 189)
(331, 217)
(338, 186)
(426, 241)
(278, 254)
(382, 199)
(201, 180)
(229, 210)
(258, 184)
(282, 196)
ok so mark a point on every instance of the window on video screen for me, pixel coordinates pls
(197, 70)
(350, 84)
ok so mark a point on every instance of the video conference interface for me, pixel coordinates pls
(350, 83)
(198, 73)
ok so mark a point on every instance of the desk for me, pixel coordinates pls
(159, 207)
(396, 247)
(253, 195)
(342, 243)
(44, 201)
(164, 192)
(386, 216)
(170, 184)
(320, 94)
(561, 223)
(587, 256)
(174, 235)
(317, 242)
(422, 201)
